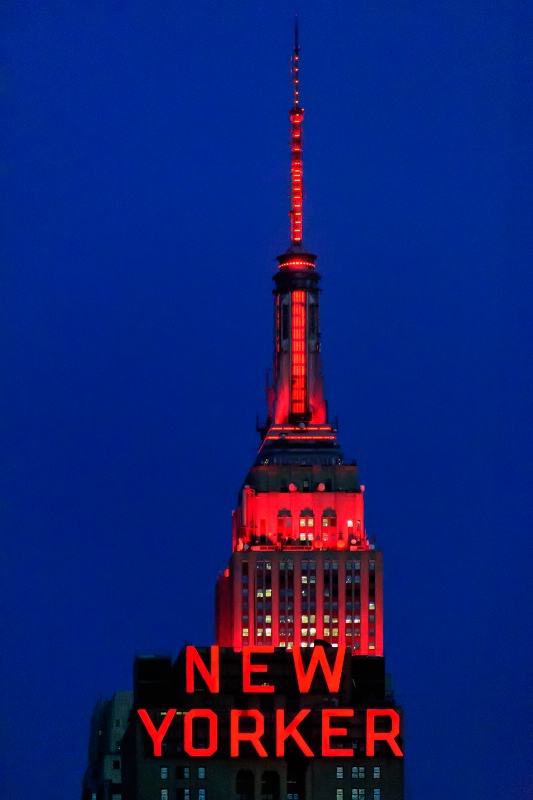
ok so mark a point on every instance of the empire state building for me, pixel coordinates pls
(291, 702)
(302, 568)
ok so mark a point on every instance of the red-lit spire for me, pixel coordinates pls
(297, 118)
(302, 569)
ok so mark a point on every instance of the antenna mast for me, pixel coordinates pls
(297, 117)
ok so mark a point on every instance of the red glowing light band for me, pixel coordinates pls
(297, 264)
(298, 353)
(295, 428)
(290, 437)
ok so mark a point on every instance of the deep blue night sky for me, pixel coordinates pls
(145, 194)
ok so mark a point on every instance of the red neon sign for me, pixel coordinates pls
(284, 729)
(248, 668)
(254, 737)
(333, 677)
(327, 731)
(199, 713)
(372, 736)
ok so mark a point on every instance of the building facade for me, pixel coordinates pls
(103, 776)
(291, 703)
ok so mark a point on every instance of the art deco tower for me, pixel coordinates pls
(302, 568)
(313, 717)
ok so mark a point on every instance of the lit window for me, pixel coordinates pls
(305, 618)
(372, 606)
(164, 772)
(335, 632)
(377, 794)
(358, 772)
(371, 646)
(164, 794)
(201, 773)
(326, 617)
(268, 593)
(260, 631)
(312, 618)
(377, 772)
(245, 631)
(302, 522)
(312, 631)
(183, 773)
(304, 631)
(358, 794)
(268, 618)
(260, 593)
(325, 522)
(268, 631)
(350, 523)
(340, 772)
(340, 794)
(304, 578)
(326, 631)
(201, 794)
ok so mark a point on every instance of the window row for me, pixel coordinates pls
(184, 773)
(183, 794)
(358, 794)
(358, 772)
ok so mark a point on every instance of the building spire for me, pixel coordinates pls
(296, 52)
(297, 117)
